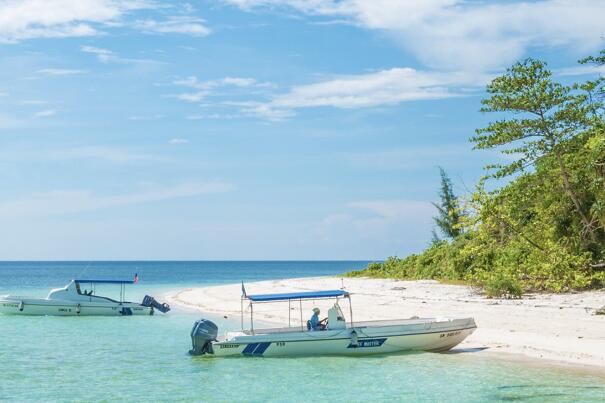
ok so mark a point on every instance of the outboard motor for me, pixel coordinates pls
(150, 301)
(204, 332)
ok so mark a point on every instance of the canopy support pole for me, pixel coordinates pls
(350, 310)
(251, 317)
(242, 311)
(301, 320)
(289, 312)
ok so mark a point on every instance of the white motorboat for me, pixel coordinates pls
(72, 301)
(336, 337)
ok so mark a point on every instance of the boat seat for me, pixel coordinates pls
(336, 319)
(231, 335)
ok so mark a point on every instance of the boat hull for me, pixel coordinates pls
(43, 307)
(423, 336)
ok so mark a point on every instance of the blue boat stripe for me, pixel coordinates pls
(250, 348)
(261, 348)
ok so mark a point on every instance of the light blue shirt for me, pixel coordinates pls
(315, 322)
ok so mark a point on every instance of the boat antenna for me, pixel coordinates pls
(85, 269)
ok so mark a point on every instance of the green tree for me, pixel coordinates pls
(543, 228)
(548, 120)
(595, 89)
(598, 60)
(449, 213)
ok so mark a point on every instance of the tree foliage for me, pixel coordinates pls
(449, 217)
(544, 229)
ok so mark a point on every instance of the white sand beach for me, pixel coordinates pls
(545, 327)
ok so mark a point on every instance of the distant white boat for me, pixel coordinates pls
(338, 337)
(72, 301)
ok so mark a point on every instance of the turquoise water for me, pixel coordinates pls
(145, 358)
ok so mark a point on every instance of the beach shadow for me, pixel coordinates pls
(465, 350)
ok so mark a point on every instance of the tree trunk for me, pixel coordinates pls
(573, 196)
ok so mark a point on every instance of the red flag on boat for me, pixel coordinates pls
(136, 278)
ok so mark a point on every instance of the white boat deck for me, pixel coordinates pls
(371, 323)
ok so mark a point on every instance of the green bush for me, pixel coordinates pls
(504, 286)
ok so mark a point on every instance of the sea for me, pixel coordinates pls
(145, 358)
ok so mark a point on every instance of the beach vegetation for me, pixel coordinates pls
(537, 221)
(449, 214)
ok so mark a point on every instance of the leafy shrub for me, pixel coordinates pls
(502, 285)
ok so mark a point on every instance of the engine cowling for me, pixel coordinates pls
(150, 301)
(203, 333)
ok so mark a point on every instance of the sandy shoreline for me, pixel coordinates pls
(544, 327)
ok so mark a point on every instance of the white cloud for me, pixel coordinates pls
(3, 94)
(193, 82)
(327, 7)
(104, 55)
(237, 81)
(25, 19)
(192, 96)
(204, 88)
(74, 201)
(268, 111)
(59, 72)
(386, 87)
(178, 141)
(581, 70)
(213, 116)
(468, 35)
(180, 25)
(45, 113)
(107, 56)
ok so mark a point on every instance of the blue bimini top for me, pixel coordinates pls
(298, 295)
(104, 281)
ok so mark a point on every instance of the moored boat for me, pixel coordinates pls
(72, 301)
(336, 336)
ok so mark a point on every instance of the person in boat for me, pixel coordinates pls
(79, 290)
(315, 323)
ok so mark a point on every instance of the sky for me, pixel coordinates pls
(253, 129)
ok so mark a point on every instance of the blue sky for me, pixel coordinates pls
(253, 129)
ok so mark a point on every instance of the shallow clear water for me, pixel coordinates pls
(136, 358)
